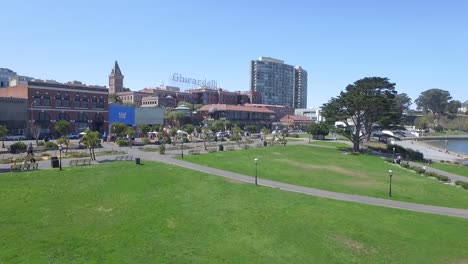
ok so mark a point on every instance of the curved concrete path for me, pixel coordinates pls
(322, 193)
(170, 159)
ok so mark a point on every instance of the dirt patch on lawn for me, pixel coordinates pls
(325, 167)
(351, 244)
(234, 181)
(460, 261)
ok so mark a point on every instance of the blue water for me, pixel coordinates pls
(457, 145)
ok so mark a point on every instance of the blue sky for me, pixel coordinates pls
(417, 44)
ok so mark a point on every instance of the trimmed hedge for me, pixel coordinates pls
(18, 147)
(123, 142)
(463, 184)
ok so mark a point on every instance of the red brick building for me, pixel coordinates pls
(84, 106)
(296, 122)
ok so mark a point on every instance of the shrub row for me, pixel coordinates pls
(422, 171)
(463, 184)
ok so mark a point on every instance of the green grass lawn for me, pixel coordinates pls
(155, 213)
(330, 143)
(452, 168)
(335, 170)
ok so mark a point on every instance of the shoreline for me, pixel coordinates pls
(432, 152)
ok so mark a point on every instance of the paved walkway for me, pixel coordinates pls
(453, 177)
(170, 159)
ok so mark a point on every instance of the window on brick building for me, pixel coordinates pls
(66, 101)
(94, 103)
(100, 103)
(43, 117)
(37, 100)
(76, 102)
(46, 100)
(58, 101)
(84, 102)
(63, 116)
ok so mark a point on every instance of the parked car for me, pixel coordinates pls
(15, 137)
(72, 136)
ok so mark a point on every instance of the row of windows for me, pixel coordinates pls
(45, 117)
(67, 102)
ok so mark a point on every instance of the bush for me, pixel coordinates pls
(405, 165)
(40, 143)
(123, 142)
(51, 145)
(293, 135)
(463, 184)
(418, 170)
(146, 141)
(442, 178)
(18, 147)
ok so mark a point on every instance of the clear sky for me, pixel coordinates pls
(417, 44)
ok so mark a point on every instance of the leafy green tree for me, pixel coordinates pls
(424, 122)
(364, 102)
(227, 125)
(119, 129)
(453, 106)
(265, 131)
(435, 101)
(145, 129)
(90, 140)
(188, 128)
(251, 128)
(114, 98)
(217, 125)
(62, 127)
(3, 133)
(130, 133)
(198, 106)
(174, 118)
(206, 135)
(64, 141)
(318, 129)
(236, 134)
(403, 102)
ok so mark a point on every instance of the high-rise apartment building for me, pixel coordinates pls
(5, 75)
(116, 80)
(278, 83)
(300, 88)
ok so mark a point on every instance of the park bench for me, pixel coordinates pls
(123, 158)
(80, 162)
(194, 152)
(24, 167)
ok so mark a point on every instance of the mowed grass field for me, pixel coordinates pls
(156, 213)
(452, 168)
(336, 170)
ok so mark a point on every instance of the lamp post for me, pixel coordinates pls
(393, 154)
(256, 166)
(390, 174)
(32, 116)
(60, 157)
(182, 141)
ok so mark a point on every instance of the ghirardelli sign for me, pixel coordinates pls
(177, 77)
